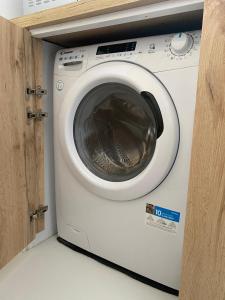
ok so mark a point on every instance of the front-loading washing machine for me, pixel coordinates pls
(123, 120)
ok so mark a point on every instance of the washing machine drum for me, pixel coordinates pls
(120, 131)
(115, 131)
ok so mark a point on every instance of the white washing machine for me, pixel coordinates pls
(123, 120)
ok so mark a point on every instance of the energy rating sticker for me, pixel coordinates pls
(162, 218)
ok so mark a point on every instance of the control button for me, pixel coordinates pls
(59, 85)
(152, 46)
(181, 43)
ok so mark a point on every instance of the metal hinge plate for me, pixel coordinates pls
(39, 91)
(38, 213)
(36, 115)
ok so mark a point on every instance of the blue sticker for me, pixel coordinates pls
(167, 214)
(163, 213)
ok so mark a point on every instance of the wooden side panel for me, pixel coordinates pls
(79, 10)
(204, 248)
(39, 128)
(34, 131)
(21, 148)
(30, 153)
(14, 218)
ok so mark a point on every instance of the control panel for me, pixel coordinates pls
(71, 57)
(157, 53)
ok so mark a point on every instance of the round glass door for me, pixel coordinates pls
(115, 131)
(118, 131)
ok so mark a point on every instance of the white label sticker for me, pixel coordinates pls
(161, 223)
(162, 218)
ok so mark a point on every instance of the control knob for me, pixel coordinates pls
(181, 43)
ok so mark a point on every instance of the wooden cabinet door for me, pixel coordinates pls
(204, 247)
(21, 142)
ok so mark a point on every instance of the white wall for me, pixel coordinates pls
(10, 9)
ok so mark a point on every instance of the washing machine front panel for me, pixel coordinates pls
(115, 124)
(119, 231)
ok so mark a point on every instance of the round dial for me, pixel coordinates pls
(181, 43)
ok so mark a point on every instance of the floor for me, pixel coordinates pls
(52, 271)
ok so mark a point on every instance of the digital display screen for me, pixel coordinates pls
(114, 48)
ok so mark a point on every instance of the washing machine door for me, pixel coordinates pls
(119, 130)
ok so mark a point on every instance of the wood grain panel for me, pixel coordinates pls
(30, 151)
(34, 130)
(21, 143)
(14, 218)
(79, 10)
(204, 248)
(39, 128)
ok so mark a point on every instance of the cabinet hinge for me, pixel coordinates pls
(36, 115)
(39, 91)
(38, 213)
